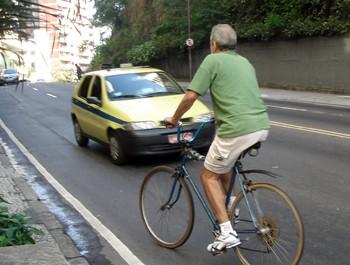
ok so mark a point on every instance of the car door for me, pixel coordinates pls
(80, 105)
(97, 122)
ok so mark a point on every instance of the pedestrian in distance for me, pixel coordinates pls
(240, 115)
(79, 71)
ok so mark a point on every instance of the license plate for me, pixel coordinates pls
(186, 136)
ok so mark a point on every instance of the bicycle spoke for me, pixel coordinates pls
(273, 251)
(278, 239)
(168, 222)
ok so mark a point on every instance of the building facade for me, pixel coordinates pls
(64, 37)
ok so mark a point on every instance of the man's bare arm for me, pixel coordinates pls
(186, 103)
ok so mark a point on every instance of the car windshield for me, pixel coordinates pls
(141, 85)
(10, 71)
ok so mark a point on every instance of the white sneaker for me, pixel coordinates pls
(223, 242)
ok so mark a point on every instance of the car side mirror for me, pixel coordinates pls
(94, 100)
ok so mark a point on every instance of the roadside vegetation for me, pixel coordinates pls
(143, 30)
(15, 228)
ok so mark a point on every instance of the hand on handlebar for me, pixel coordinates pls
(170, 122)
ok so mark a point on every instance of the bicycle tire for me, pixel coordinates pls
(270, 246)
(170, 227)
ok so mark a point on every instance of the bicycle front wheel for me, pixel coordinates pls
(166, 206)
(277, 237)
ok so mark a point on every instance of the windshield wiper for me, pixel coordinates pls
(129, 96)
(161, 93)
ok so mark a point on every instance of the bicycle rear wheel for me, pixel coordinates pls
(279, 236)
(169, 223)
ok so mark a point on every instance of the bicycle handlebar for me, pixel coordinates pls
(195, 134)
(179, 127)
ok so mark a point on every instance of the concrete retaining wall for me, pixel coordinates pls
(321, 64)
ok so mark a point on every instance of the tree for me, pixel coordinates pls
(110, 13)
(146, 29)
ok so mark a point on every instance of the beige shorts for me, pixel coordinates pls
(224, 152)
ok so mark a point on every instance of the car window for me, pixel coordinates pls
(96, 88)
(141, 85)
(83, 90)
(10, 71)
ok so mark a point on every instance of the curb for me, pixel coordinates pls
(63, 249)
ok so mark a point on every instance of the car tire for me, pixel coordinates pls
(116, 151)
(80, 138)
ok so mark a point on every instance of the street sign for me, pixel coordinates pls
(189, 42)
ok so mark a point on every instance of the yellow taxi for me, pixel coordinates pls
(125, 108)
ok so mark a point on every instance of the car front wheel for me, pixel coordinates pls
(80, 138)
(116, 151)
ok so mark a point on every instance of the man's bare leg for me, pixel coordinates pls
(226, 180)
(212, 185)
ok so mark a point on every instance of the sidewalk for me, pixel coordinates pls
(52, 248)
(55, 247)
(306, 97)
(299, 96)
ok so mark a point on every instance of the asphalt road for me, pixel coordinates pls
(305, 146)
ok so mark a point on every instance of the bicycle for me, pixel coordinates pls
(259, 213)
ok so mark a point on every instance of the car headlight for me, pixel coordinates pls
(142, 125)
(204, 117)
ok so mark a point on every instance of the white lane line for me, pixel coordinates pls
(118, 245)
(34, 88)
(286, 108)
(310, 129)
(50, 95)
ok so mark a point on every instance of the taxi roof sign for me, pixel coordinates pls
(125, 65)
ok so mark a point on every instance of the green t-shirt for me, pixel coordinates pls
(235, 93)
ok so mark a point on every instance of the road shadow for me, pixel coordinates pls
(139, 161)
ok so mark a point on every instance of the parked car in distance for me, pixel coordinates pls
(125, 108)
(9, 75)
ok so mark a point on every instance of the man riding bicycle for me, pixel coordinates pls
(240, 115)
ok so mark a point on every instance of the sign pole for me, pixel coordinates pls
(189, 38)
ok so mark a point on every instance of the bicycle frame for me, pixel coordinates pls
(181, 171)
(199, 196)
(265, 219)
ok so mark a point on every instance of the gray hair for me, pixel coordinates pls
(224, 36)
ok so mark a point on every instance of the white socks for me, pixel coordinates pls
(226, 229)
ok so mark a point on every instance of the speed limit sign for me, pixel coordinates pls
(189, 42)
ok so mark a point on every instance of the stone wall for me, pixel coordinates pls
(321, 63)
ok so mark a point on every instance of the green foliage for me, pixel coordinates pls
(142, 54)
(15, 228)
(150, 28)
(109, 13)
(267, 19)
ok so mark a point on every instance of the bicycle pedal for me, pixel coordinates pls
(216, 252)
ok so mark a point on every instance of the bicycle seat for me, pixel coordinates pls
(252, 150)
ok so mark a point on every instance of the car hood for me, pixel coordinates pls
(153, 108)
